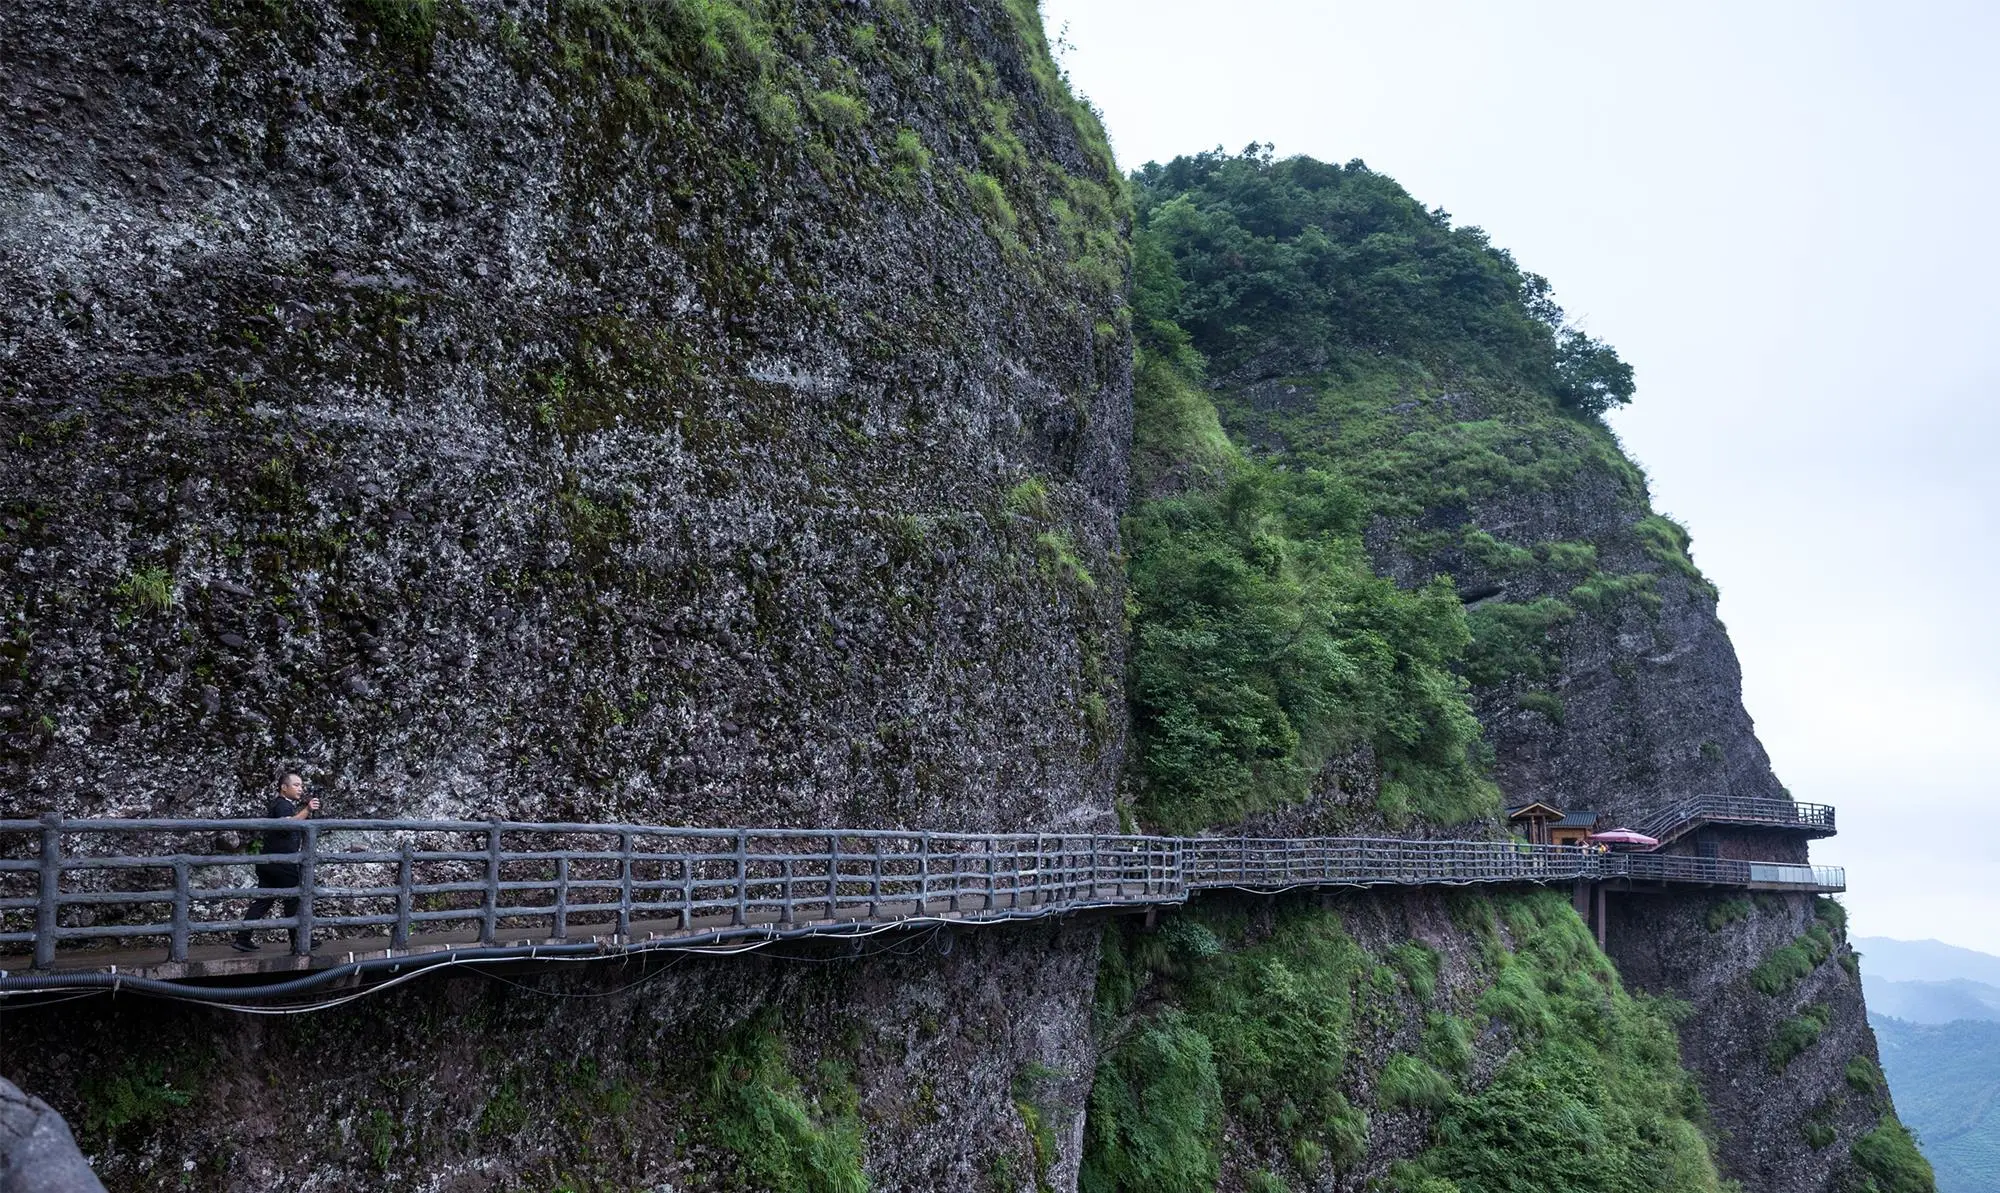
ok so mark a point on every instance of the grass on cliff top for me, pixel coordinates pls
(1223, 1032)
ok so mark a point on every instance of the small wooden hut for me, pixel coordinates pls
(1535, 820)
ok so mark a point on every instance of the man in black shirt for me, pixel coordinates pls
(288, 804)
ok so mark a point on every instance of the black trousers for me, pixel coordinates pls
(273, 874)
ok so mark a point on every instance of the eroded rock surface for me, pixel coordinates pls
(37, 1153)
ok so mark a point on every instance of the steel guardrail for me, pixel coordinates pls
(71, 884)
(1678, 819)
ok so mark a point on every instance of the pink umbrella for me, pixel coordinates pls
(1625, 836)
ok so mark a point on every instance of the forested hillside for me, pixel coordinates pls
(1388, 566)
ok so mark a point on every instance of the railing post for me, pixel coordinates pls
(924, 874)
(45, 906)
(562, 898)
(177, 943)
(875, 883)
(625, 884)
(406, 877)
(833, 877)
(785, 915)
(742, 877)
(1041, 865)
(489, 915)
(302, 935)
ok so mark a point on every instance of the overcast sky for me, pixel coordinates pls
(1781, 215)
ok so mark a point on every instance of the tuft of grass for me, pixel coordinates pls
(1724, 912)
(1797, 1034)
(1060, 560)
(990, 200)
(909, 160)
(1787, 965)
(787, 1137)
(1603, 594)
(1346, 1133)
(1569, 557)
(1666, 542)
(1548, 704)
(1418, 965)
(1863, 1076)
(1501, 557)
(1308, 1155)
(1448, 1043)
(1030, 499)
(405, 25)
(148, 589)
(1407, 1081)
(1889, 1157)
(838, 111)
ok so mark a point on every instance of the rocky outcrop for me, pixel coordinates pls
(1605, 681)
(1787, 1062)
(37, 1153)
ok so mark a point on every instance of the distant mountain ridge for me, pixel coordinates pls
(1935, 1009)
(1925, 961)
(1931, 1002)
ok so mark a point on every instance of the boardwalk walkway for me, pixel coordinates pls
(156, 900)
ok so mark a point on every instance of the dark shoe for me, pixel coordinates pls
(244, 944)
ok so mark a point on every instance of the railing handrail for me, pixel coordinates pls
(1767, 811)
(741, 879)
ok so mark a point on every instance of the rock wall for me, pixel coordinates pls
(696, 412)
(908, 1060)
(702, 412)
(1786, 1120)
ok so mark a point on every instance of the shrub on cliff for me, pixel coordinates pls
(1889, 1159)
(1263, 643)
(1282, 1012)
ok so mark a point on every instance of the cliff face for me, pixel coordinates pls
(938, 1062)
(694, 412)
(575, 410)
(1603, 680)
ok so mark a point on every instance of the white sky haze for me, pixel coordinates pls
(1781, 215)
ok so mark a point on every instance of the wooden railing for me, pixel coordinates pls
(71, 888)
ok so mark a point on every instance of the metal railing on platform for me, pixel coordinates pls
(1673, 821)
(67, 885)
